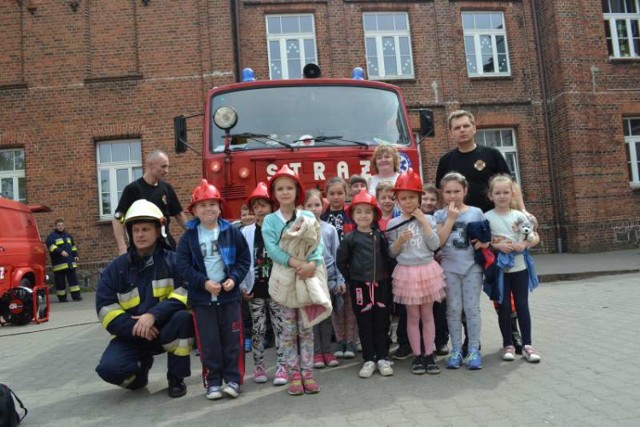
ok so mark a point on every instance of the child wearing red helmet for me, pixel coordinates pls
(363, 260)
(213, 258)
(418, 280)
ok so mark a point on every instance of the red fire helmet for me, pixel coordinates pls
(364, 198)
(286, 172)
(408, 181)
(260, 192)
(202, 192)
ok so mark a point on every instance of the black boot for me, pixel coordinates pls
(515, 333)
(177, 387)
(142, 377)
(76, 296)
(62, 298)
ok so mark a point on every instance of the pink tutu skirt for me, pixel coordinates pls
(418, 284)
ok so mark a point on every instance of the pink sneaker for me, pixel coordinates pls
(330, 360)
(310, 385)
(530, 354)
(296, 388)
(318, 361)
(281, 377)
(259, 375)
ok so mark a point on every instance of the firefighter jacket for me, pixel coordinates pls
(235, 256)
(132, 285)
(57, 243)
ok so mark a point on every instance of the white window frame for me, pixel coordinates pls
(632, 142)
(505, 150)
(476, 34)
(282, 37)
(379, 35)
(15, 175)
(132, 166)
(611, 20)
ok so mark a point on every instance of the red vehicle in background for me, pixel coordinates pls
(24, 294)
(320, 127)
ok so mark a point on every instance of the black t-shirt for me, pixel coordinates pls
(162, 195)
(478, 166)
(262, 266)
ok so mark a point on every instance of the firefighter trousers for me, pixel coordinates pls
(128, 359)
(63, 277)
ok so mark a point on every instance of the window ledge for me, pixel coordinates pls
(13, 86)
(635, 186)
(492, 77)
(625, 60)
(109, 79)
(395, 81)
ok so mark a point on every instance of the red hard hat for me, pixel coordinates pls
(364, 198)
(202, 192)
(286, 172)
(260, 192)
(408, 181)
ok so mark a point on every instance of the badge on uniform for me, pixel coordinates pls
(479, 165)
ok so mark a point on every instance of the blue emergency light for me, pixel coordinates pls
(357, 73)
(248, 75)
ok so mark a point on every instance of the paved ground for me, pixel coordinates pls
(584, 330)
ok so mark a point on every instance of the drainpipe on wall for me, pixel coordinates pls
(555, 195)
(235, 35)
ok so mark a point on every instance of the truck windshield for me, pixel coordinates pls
(340, 115)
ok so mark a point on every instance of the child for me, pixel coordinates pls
(213, 257)
(362, 257)
(387, 204)
(286, 188)
(356, 183)
(418, 280)
(322, 332)
(385, 164)
(344, 321)
(430, 203)
(246, 217)
(463, 274)
(255, 288)
(516, 279)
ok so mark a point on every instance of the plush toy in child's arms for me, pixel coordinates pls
(525, 228)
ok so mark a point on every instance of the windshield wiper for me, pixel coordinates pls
(254, 137)
(335, 138)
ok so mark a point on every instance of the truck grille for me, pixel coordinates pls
(234, 192)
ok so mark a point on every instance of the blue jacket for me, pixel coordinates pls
(57, 243)
(132, 285)
(494, 283)
(190, 263)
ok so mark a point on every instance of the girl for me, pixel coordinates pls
(362, 257)
(255, 288)
(296, 340)
(417, 279)
(322, 332)
(463, 274)
(516, 280)
(344, 321)
(385, 164)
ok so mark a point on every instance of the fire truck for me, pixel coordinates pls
(320, 127)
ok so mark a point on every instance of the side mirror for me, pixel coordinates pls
(180, 133)
(427, 126)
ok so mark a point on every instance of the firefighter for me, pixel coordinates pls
(142, 301)
(64, 259)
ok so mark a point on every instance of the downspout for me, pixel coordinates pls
(235, 35)
(555, 195)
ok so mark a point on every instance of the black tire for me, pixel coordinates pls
(17, 306)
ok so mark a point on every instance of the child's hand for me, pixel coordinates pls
(477, 244)
(306, 270)
(506, 246)
(340, 289)
(228, 284)
(212, 287)
(405, 236)
(519, 247)
(247, 296)
(452, 211)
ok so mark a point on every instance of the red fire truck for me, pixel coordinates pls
(320, 127)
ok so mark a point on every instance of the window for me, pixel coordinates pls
(485, 44)
(387, 43)
(505, 141)
(621, 23)
(632, 142)
(119, 163)
(292, 45)
(12, 181)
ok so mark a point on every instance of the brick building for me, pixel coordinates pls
(88, 87)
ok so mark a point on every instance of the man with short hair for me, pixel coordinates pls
(64, 262)
(142, 301)
(152, 187)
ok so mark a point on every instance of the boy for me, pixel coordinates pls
(213, 258)
(356, 183)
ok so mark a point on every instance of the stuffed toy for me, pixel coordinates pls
(525, 227)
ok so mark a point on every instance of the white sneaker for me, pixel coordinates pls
(214, 393)
(384, 367)
(367, 369)
(530, 353)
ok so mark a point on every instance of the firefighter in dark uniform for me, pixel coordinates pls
(64, 259)
(142, 301)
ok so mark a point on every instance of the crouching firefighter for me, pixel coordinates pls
(142, 301)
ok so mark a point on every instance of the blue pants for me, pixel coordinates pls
(221, 343)
(124, 356)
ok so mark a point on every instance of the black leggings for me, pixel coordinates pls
(518, 284)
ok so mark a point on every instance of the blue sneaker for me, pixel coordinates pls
(455, 359)
(247, 345)
(474, 360)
